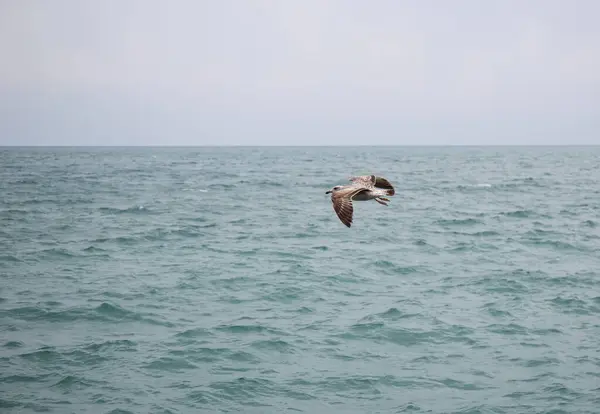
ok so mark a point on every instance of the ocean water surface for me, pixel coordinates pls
(209, 280)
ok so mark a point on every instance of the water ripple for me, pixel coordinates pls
(166, 280)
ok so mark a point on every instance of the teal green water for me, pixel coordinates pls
(205, 280)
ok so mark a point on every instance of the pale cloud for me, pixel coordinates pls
(265, 71)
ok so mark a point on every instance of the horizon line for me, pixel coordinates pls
(287, 146)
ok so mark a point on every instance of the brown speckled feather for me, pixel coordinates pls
(342, 203)
(372, 181)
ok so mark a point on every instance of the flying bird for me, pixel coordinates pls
(363, 188)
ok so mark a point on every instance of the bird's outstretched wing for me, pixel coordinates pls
(342, 203)
(366, 180)
(371, 181)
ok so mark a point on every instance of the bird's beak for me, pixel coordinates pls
(327, 192)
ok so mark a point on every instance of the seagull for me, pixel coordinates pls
(363, 188)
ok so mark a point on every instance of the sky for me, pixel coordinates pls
(311, 72)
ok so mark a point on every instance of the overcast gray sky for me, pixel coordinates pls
(310, 72)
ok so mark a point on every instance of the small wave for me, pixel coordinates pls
(138, 209)
(526, 181)
(590, 223)
(43, 355)
(16, 211)
(571, 305)
(407, 337)
(24, 378)
(519, 214)
(485, 233)
(117, 345)
(119, 295)
(530, 344)
(197, 219)
(391, 314)
(499, 284)
(533, 363)
(113, 310)
(570, 213)
(508, 329)
(194, 333)
(94, 251)
(304, 309)
(543, 232)
(9, 258)
(104, 312)
(559, 392)
(475, 187)
(247, 388)
(221, 186)
(458, 222)
(262, 183)
(555, 244)
(25, 312)
(170, 364)
(27, 181)
(393, 268)
(207, 355)
(188, 232)
(352, 385)
(125, 240)
(72, 382)
(303, 235)
(287, 295)
(274, 345)
(206, 226)
(117, 313)
(57, 253)
(37, 201)
(546, 331)
(14, 344)
(246, 329)
(205, 398)
(51, 355)
(460, 385)
(365, 327)
(498, 313)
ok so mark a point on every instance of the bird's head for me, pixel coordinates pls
(334, 189)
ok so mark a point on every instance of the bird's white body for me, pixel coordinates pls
(365, 195)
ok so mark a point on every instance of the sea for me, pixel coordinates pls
(220, 280)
